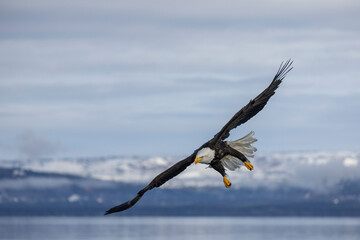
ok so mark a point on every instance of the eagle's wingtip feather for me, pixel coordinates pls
(284, 68)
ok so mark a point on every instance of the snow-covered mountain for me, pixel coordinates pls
(313, 170)
(313, 183)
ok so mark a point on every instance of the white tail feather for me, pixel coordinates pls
(231, 162)
(242, 145)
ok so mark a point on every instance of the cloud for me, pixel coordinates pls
(33, 146)
(99, 74)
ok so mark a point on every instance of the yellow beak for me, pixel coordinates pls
(197, 160)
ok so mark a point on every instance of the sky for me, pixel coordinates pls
(100, 78)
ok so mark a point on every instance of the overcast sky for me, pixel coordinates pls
(94, 78)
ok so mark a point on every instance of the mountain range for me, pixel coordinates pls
(282, 184)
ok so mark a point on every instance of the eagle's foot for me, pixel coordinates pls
(227, 182)
(249, 166)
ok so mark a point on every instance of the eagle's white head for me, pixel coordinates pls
(205, 155)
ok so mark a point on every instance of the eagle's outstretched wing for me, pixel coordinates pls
(255, 105)
(156, 182)
(247, 112)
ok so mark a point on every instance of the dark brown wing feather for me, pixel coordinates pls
(156, 182)
(247, 112)
(255, 105)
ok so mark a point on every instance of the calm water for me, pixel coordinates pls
(219, 228)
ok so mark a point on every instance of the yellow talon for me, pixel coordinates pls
(249, 166)
(227, 182)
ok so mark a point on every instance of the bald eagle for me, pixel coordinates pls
(218, 153)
